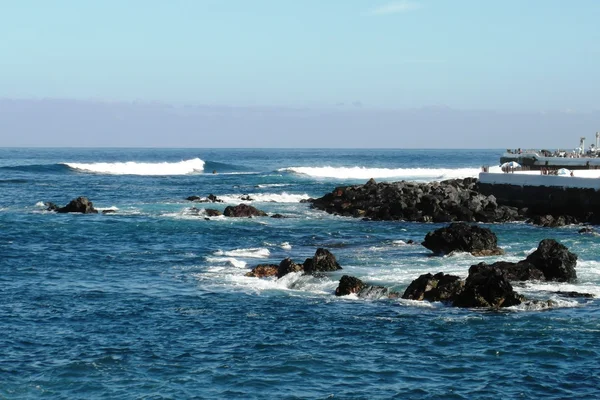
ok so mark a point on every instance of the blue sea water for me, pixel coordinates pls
(151, 301)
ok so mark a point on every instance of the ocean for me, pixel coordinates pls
(152, 301)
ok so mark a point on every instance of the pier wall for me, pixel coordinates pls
(543, 194)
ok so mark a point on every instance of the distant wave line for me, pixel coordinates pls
(185, 167)
(383, 173)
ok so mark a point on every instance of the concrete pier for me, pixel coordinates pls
(544, 194)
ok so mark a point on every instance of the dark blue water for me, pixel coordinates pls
(152, 302)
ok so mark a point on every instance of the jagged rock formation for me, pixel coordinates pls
(489, 285)
(243, 210)
(322, 261)
(79, 205)
(463, 237)
(446, 201)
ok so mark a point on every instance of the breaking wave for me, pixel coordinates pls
(283, 197)
(249, 253)
(384, 173)
(195, 165)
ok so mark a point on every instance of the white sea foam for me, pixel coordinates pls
(40, 204)
(111, 208)
(283, 245)
(264, 198)
(247, 253)
(267, 185)
(138, 168)
(228, 261)
(424, 174)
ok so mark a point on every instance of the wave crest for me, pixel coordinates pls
(137, 168)
(379, 173)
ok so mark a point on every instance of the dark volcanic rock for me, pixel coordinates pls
(210, 212)
(586, 229)
(463, 237)
(351, 285)
(555, 261)
(487, 287)
(551, 221)
(521, 271)
(211, 198)
(79, 205)
(51, 206)
(286, 266)
(277, 216)
(438, 287)
(243, 210)
(348, 285)
(551, 261)
(108, 211)
(322, 261)
(446, 201)
(214, 199)
(263, 271)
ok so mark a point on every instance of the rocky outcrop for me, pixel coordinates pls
(349, 285)
(463, 237)
(79, 205)
(287, 266)
(483, 288)
(555, 261)
(438, 287)
(551, 221)
(322, 261)
(490, 285)
(263, 271)
(551, 261)
(210, 212)
(243, 211)
(211, 198)
(487, 288)
(352, 285)
(446, 201)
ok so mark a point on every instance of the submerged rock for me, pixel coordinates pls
(463, 237)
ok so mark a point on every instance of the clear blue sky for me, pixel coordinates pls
(518, 55)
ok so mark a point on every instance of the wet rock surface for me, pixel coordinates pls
(263, 271)
(79, 205)
(490, 285)
(451, 200)
(446, 201)
(352, 285)
(463, 237)
(243, 211)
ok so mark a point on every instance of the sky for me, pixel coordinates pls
(351, 59)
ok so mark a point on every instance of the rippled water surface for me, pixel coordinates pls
(151, 301)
